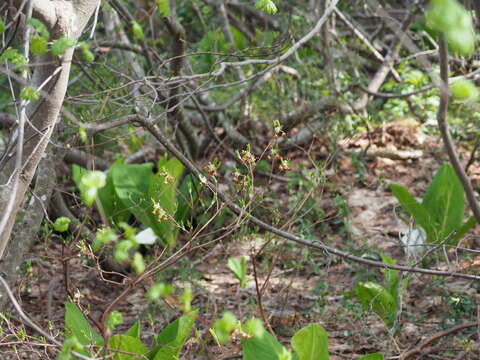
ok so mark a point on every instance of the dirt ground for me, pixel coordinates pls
(300, 286)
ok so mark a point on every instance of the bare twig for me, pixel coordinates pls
(418, 349)
(444, 130)
(316, 244)
(32, 324)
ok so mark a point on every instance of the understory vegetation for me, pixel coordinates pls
(222, 179)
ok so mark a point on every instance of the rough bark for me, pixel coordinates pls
(63, 19)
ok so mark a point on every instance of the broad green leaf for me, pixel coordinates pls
(137, 30)
(266, 5)
(38, 46)
(77, 325)
(134, 330)
(265, 347)
(128, 344)
(311, 343)
(138, 263)
(444, 201)
(239, 269)
(113, 208)
(170, 341)
(163, 191)
(224, 326)
(131, 183)
(159, 290)
(114, 319)
(30, 94)
(61, 45)
(376, 298)
(375, 356)
(77, 174)
(451, 18)
(104, 236)
(163, 7)
(40, 28)
(416, 210)
(61, 224)
(188, 195)
(2, 26)
(14, 57)
(238, 38)
(464, 90)
(392, 280)
(253, 327)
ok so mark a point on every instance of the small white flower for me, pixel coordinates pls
(146, 237)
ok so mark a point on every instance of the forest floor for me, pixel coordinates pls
(300, 286)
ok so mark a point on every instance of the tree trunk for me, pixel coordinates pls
(63, 19)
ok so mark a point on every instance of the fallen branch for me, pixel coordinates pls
(418, 349)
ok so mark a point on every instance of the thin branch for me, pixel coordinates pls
(415, 351)
(30, 322)
(445, 132)
(316, 244)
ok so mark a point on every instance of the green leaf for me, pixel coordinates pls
(134, 330)
(61, 45)
(159, 290)
(2, 26)
(189, 191)
(61, 224)
(170, 341)
(71, 344)
(30, 94)
(163, 7)
(77, 174)
(122, 250)
(266, 5)
(114, 319)
(115, 211)
(89, 184)
(416, 210)
(223, 327)
(311, 343)
(131, 183)
(128, 344)
(444, 201)
(163, 192)
(38, 46)
(239, 269)
(138, 263)
(40, 28)
(375, 356)
(392, 280)
(470, 224)
(186, 299)
(253, 327)
(464, 90)
(87, 54)
(238, 38)
(14, 57)
(265, 347)
(77, 325)
(137, 31)
(451, 18)
(376, 298)
(104, 236)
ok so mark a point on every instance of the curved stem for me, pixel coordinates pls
(443, 127)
